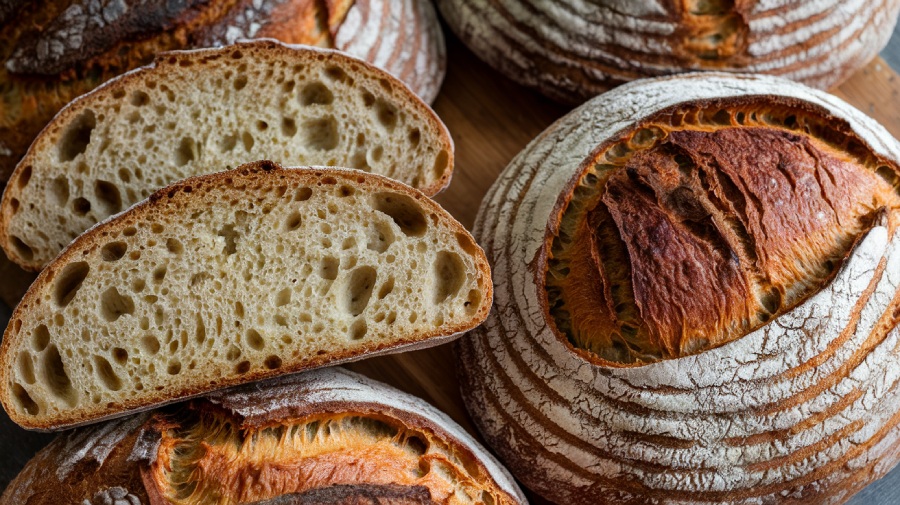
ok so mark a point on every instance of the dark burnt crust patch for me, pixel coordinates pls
(672, 242)
(356, 495)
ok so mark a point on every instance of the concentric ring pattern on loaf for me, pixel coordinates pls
(57, 50)
(329, 436)
(572, 50)
(198, 111)
(696, 294)
(236, 276)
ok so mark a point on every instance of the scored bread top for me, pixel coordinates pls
(195, 112)
(298, 439)
(235, 276)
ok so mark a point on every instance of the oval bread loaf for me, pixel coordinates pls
(56, 50)
(696, 299)
(572, 50)
(226, 278)
(194, 112)
(329, 436)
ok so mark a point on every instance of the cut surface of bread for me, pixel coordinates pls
(196, 112)
(230, 277)
(323, 437)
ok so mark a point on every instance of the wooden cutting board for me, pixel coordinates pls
(491, 120)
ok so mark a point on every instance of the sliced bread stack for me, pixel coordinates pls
(196, 112)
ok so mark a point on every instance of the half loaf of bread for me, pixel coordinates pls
(696, 299)
(572, 50)
(196, 112)
(55, 50)
(227, 278)
(323, 437)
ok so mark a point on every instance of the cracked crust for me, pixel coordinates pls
(55, 51)
(357, 434)
(801, 409)
(571, 50)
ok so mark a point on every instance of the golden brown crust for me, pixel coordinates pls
(357, 442)
(179, 195)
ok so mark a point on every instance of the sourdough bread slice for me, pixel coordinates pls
(195, 112)
(226, 278)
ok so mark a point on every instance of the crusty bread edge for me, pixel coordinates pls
(160, 65)
(91, 237)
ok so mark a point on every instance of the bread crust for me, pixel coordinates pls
(117, 457)
(181, 192)
(571, 50)
(124, 85)
(802, 410)
(98, 40)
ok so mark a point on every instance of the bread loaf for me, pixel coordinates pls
(329, 436)
(56, 50)
(696, 299)
(572, 50)
(226, 278)
(200, 111)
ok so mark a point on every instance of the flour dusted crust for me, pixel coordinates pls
(236, 276)
(801, 410)
(572, 50)
(55, 51)
(346, 422)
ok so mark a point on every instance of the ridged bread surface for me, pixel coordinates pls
(326, 432)
(195, 112)
(802, 410)
(571, 50)
(236, 276)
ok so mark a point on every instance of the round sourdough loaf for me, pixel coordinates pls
(696, 292)
(573, 49)
(54, 51)
(329, 436)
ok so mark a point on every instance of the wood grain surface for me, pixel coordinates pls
(491, 120)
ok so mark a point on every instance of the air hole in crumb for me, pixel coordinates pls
(187, 152)
(120, 355)
(55, 376)
(106, 374)
(415, 136)
(405, 212)
(262, 125)
(345, 191)
(316, 93)
(40, 338)
(441, 163)
(293, 221)
(473, 301)
(24, 399)
(69, 282)
(114, 305)
(358, 329)
(114, 251)
(81, 206)
(77, 136)
(387, 114)
(174, 368)
(888, 174)
(25, 367)
(174, 246)
(303, 194)
(386, 288)
(59, 188)
(21, 248)
(450, 273)
(139, 99)
(227, 143)
(242, 367)
(108, 195)
(150, 344)
(227, 232)
(321, 134)
(368, 98)
(328, 268)
(248, 141)
(288, 126)
(359, 289)
(255, 340)
(240, 82)
(24, 177)
(771, 300)
(336, 74)
(159, 273)
(283, 298)
(273, 362)
(418, 446)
